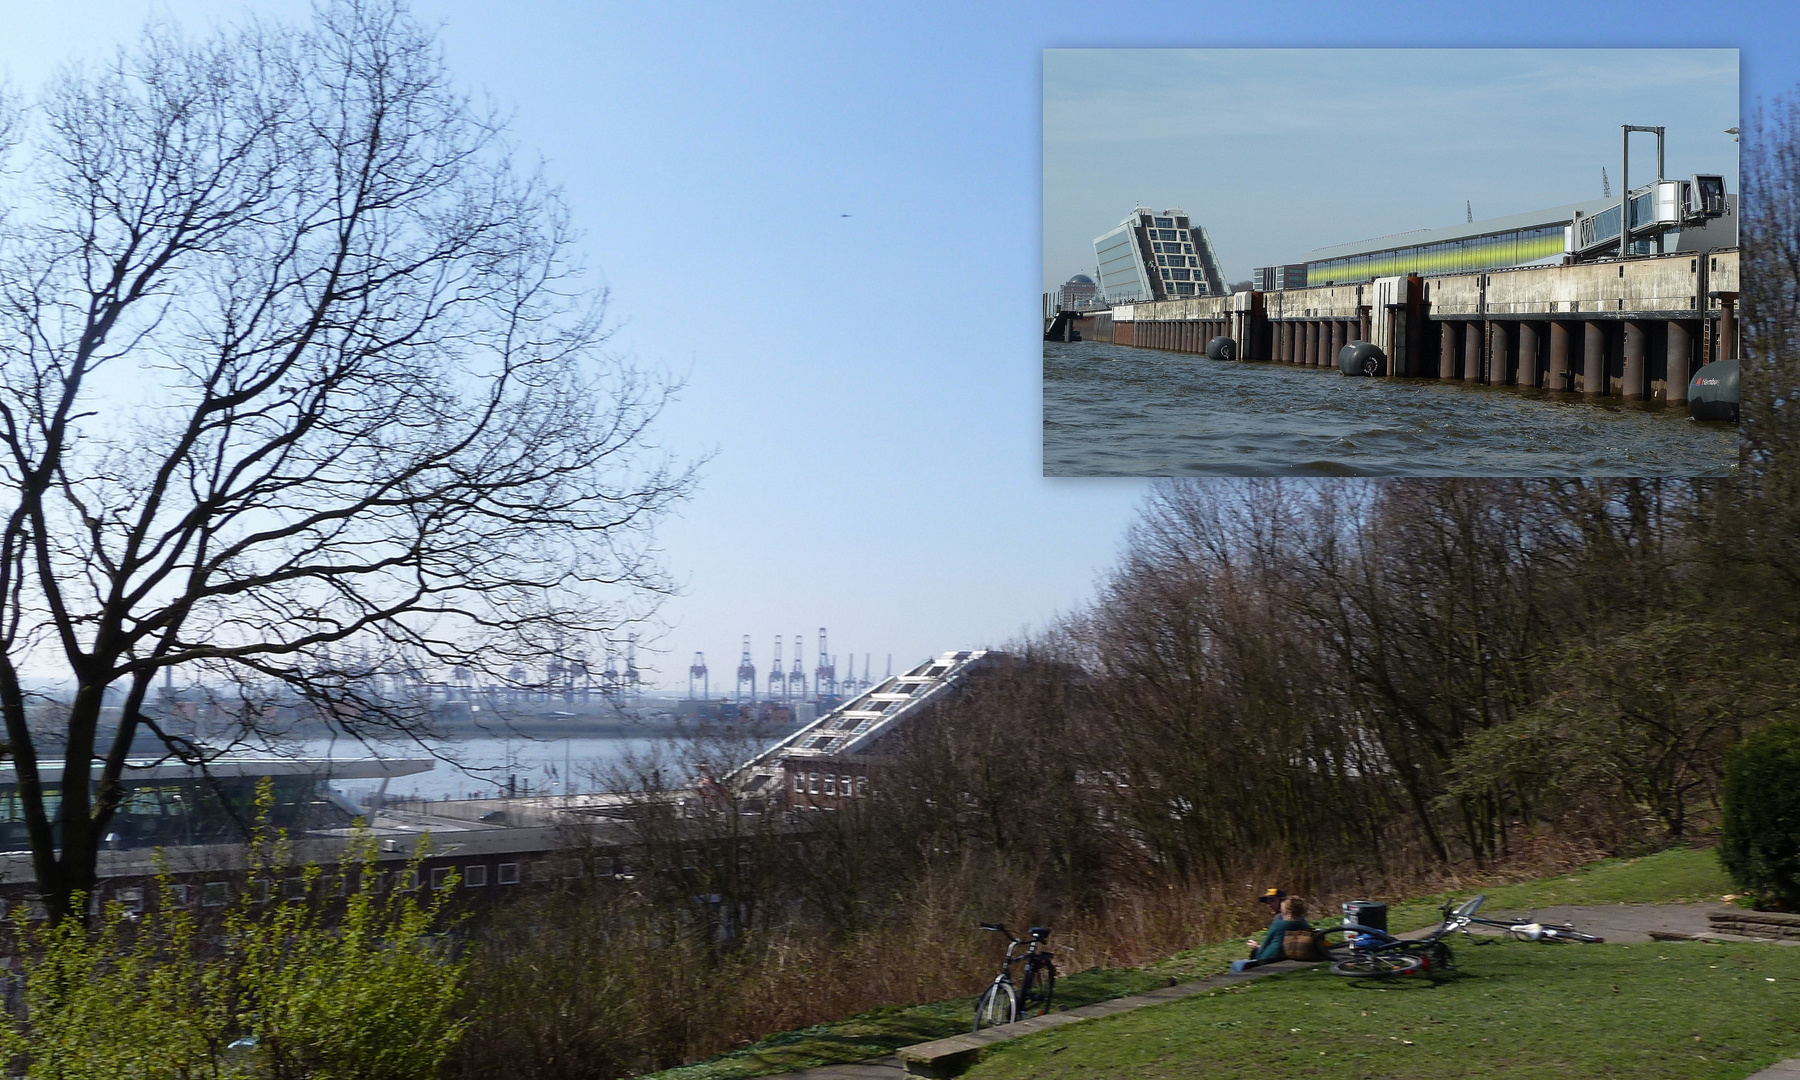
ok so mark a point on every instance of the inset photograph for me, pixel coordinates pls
(1390, 262)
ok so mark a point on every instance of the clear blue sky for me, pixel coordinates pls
(871, 383)
(1281, 151)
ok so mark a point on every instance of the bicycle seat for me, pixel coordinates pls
(1039, 933)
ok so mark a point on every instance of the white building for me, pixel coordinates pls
(1151, 256)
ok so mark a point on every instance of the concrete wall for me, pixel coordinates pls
(1199, 307)
(1322, 302)
(1668, 285)
(1723, 274)
(1494, 327)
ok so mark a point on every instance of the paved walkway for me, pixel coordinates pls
(1626, 923)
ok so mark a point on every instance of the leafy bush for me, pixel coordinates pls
(1760, 842)
(120, 999)
(320, 988)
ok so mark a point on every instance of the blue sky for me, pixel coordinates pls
(1281, 151)
(870, 383)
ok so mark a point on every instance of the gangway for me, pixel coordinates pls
(1655, 210)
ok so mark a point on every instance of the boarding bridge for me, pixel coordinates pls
(855, 726)
(1658, 209)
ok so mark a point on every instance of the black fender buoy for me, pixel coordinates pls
(1360, 358)
(1221, 348)
(1713, 392)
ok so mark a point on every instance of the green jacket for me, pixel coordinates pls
(1271, 943)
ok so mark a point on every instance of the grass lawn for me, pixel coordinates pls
(1514, 1009)
(1662, 878)
(883, 1031)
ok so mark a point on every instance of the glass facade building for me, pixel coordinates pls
(1515, 240)
(1493, 251)
(170, 804)
(1151, 256)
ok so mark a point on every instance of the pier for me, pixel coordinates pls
(1635, 328)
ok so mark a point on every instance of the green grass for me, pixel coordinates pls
(1674, 876)
(882, 1031)
(1515, 1010)
(1667, 877)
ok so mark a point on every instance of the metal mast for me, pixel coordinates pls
(825, 675)
(777, 677)
(1625, 180)
(632, 678)
(797, 676)
(697, 670)
(746, 672)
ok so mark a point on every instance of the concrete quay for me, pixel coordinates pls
(1636, 329)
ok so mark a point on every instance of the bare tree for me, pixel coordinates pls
(295, 366)
(1771, 241)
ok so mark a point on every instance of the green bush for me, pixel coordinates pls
(1760, 842)
(357, 987)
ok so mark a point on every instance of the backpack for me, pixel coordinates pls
(1299, 945)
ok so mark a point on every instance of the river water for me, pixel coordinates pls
(482, 768)
(1112, 410)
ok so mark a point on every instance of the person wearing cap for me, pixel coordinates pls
(1291, 919)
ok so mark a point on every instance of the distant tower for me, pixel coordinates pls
(825, 675)
(1605, 184)
(609, 678)
(777, 677)
(697, 670)
(746, 673)
(890, 673)
(865, 683)
(632, 677)
(553, 677)
(581, 669)
(1469, 210)
(797, 676)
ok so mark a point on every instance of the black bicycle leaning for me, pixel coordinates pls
(1004, 1001)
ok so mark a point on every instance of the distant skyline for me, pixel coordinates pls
(1279, 152)
(872, 382)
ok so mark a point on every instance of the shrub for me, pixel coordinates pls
(310, 988)
(1760, 842)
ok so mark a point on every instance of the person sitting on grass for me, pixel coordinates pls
(1290, 937)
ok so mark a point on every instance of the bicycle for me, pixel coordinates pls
(1555, 933)
(1002, 1002)
(1364, 952)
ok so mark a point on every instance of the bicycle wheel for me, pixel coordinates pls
(1569, 933)
(1333, 943)
(1438, 957)
(998, 1005)
(1040, 987)
(1379, 965)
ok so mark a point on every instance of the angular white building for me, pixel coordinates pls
(1151, 256)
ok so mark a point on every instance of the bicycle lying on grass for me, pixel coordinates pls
(1369, 953)
(1366, 952)
(1532, 930)
(1003, 1002)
